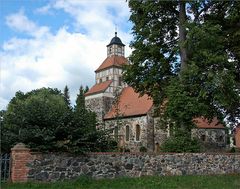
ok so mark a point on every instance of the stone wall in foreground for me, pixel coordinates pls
(27, 166)
(52, 167)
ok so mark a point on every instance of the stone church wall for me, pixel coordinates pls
(100, 105)
(211, 138)
(132, 144)
(160, 135)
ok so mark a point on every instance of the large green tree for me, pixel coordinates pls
(187, 52)
(37, 118)
(43, 120)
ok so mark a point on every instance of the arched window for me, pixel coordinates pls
(127, 133)
(138, 132)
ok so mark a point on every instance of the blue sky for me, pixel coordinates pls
(53, 43)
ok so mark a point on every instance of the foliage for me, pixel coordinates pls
(232, 150)
(153, 182)
(43, 120)
(67, 96)
(35, 118)
(143, 149)
(187, 52)
(180, 142)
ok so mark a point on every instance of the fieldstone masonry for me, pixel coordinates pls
(132, 144)
(53, 167)
(100, 106)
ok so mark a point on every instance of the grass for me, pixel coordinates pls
(180, 182)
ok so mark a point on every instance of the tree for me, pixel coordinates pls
(67, 96)
(44, 121)
(183, 52)
(84, 135)
(36, 119)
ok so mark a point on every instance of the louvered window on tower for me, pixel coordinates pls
(120, 81)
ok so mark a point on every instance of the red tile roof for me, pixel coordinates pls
(100, 87)
(130, 104)
(204, 124)
(114, 60)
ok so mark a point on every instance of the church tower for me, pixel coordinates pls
(108, 79)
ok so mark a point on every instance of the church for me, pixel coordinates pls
(128, 115)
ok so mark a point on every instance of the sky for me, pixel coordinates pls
(54, 43)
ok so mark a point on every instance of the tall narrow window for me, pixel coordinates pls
(100, 80)
(220, 139)
(107, 78)
(203, 138)
(138, 131)
(120, 81)
(127, 133)
(116, 133)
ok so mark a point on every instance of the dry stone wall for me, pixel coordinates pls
(53, 167)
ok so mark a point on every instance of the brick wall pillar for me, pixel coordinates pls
(20, 157)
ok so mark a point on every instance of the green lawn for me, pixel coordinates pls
(181, 182)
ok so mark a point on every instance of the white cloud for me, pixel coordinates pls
(97, 17)
(44, 10)
(62, 58)
(20, 22)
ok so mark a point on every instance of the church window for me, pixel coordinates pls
(203, 138)
(127, 133)
(120, 81)
(220, 139)
(138, 131)
(116, 133)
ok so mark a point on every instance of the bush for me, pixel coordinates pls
(232, 150)
(181, 142)
(122, 149)
(143, 149)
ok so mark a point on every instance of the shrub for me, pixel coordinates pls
(181, 142)
(232, 150)
(143, 149)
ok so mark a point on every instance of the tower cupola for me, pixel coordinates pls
(115, 47)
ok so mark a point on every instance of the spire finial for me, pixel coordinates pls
(115, 30)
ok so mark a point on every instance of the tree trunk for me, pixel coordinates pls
(182, 34)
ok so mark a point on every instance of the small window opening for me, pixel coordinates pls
(138, 131)
(127, 133)
(116, 133)
(203, 138)
(120, 81)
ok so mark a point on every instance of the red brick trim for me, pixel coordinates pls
(20, 157)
